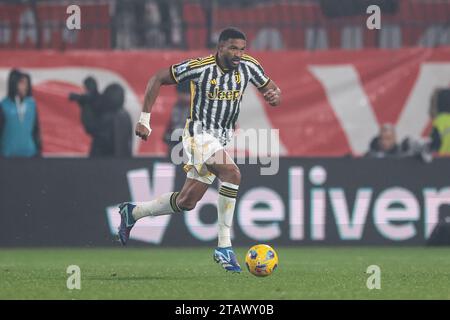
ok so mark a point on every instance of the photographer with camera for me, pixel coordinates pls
(88, 102)
(105, 119)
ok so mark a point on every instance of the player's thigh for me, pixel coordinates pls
(224, 167)
(192, 191)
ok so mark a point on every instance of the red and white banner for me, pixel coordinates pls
(333, 101)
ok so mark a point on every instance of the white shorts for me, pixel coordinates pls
(198, 149)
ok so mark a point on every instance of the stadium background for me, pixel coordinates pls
(330, 211)
(340, 82)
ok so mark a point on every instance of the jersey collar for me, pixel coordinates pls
(224, 70)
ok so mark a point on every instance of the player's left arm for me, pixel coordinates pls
(271, 93)
(269, 89)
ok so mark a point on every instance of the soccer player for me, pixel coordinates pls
(217, 84)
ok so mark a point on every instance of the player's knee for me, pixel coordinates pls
(186, 203)
(233, 176)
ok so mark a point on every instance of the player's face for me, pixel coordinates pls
(231, 52)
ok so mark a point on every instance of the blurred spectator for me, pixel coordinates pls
(155, 24)
(111, 127)
(88, 100)
(440, 113)
(148, 23)
(268, 39)
(19, 123)
(125, 25)
(385, 144)
(105, 120)
(180, 113)
(175, 28)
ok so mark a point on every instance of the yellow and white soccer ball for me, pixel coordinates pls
(261, 260)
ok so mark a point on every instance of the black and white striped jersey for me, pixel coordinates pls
(216, 94)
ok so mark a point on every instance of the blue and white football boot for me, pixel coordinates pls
(126, 222)
(227, 259)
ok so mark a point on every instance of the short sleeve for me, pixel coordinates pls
(185, 71)
(257, 74)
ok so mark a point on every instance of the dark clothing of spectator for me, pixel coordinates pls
(375, 151)
(88, 100)
(109, 124)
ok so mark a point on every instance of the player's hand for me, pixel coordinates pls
(142, 131)
(273, 97)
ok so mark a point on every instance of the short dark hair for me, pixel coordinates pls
(231, 33)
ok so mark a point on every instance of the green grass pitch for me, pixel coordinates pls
(190, 273)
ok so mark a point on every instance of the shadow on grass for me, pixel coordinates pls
(147, 278)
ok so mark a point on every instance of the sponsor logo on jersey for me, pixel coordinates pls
(224, 94)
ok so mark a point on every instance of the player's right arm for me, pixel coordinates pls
(162, 77)
(188, 70)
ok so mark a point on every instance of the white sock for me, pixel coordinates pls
(225, 211)
(164, 204)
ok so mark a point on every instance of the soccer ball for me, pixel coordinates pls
(261, 260)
